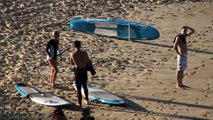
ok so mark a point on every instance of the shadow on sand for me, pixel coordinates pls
(172, 102)
(176, 103)
(132, 107)
(72, 107)
(201, 90)
(169, 46)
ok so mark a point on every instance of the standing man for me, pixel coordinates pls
(51, 49)
(79, 59)
(180, 46)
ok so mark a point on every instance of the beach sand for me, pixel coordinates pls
(142, 72)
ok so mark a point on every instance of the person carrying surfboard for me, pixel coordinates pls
(51, 49)
(79, 59)
(180, 46)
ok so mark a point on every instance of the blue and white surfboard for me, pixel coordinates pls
(39, 96)
(115, 28)
(96, 94)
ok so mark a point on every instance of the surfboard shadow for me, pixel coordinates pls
(172, 102)
(127, 107)
(169, 46)
(200, 90)
(72, 107)
(133, 106)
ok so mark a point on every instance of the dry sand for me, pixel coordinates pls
(142, 73)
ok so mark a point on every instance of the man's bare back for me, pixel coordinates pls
(79, 58)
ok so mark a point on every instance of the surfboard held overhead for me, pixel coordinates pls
(115, 28)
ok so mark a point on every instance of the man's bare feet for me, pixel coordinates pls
(179, 87)
(86, 102)
(182, 86)
(52, 84)
(78, 104)
(185, 86)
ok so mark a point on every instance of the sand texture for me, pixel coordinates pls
(142, 73)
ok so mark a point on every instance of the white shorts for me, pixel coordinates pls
(181, 62)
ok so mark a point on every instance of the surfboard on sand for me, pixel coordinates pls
(39, 96)
(115, 28)
(100, 95)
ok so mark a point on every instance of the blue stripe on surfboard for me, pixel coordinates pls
(17, 86)
(114, 102)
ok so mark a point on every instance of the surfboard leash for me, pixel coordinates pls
(46, 62)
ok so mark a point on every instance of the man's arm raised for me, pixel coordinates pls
(191, 30)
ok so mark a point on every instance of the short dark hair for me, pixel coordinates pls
(55, 33)
(77, 44)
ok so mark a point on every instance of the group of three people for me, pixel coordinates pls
(79, 59)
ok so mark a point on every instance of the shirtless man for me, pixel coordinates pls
(79, 59)
(180, 46)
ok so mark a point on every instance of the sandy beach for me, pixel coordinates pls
(142, 72)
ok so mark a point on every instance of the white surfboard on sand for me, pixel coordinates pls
(96, 94)
(39, 96)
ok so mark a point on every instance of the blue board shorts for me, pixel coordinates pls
(181, 62)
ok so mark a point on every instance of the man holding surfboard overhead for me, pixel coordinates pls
(51, 50)
(79, 60)
(180, 46)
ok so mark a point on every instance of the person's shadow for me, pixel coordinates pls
(135, 108)
(72, 107)
(86, 114)
(132, 107)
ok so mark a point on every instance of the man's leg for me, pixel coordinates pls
(179, 79)
(85, 91)
(78, 86)
(183, 74)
